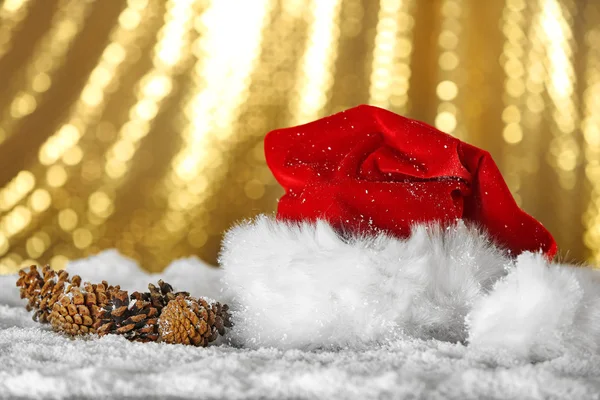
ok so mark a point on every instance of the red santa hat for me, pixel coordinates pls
(389, 227)
(369, 170)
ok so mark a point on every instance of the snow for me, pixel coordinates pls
(190, 274)
(36, 363)
(532, 330)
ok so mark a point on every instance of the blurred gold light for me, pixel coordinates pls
(16, 190)
(448, 39)
(67, 219)
(40, 200)
(317, 61)
(445, 121)
(148, 121)
(58, 262)
(447, 90)
(197, 238)
(12, 14)
(100, 203)
(221, 86)
(64, 142)
(82, 238)
(47, 57)
(35, 246)
(56, 176)
(23, 104)
(448, 60)
(72, 156)
(560, 82)
(154, 86)
(254, 189)
(41, 82)
(512, 133)
(4, 244)
(391, 56)
(11, 6)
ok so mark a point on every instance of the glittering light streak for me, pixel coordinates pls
(560, 84)
(514, 84)
(92, 99)
(224, 68)
(60, 149)
(390, 74)
(62, 205)
(47, 57)
(316, 75)
(12, 14)
(16, 189)
(526, 103)
(171, 50)
(513, 62)
(447, 118)
(591, 133)
(154, 87)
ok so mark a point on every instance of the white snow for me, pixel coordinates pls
(37, 363)
(189, 274)
(533, 329)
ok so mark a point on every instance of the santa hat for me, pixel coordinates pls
(389, 227)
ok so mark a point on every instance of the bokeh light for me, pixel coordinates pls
(138, 124)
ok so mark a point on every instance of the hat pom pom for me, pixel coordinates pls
(539, 311)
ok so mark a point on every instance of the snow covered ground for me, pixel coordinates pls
(37, 363)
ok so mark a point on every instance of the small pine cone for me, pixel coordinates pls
(133, 316)
(29, 284)
(76, 311)
(161, 296)
(223, 317)
(43, 290)
(187, 320)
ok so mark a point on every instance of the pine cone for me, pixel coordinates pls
(161, 296)
(76, 310)
(29, 284)
(42, 292)
(187, 320)
(133, 316)
(105, 309)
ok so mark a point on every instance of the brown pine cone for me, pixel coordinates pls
(104, 309)
(161, 296)
(187, 320)
(76, 311)
(131, 316)
(29, 284)
(43, 291)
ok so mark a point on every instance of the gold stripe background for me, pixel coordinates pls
(138, 124)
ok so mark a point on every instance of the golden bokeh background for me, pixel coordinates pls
(139, 124)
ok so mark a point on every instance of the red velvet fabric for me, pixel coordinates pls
(367, 169)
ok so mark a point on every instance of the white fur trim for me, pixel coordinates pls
(540, 311)
(303, 286)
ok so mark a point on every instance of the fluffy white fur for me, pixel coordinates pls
(303, 286)
(540, 311)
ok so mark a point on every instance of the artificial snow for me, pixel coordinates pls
(441, 315)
